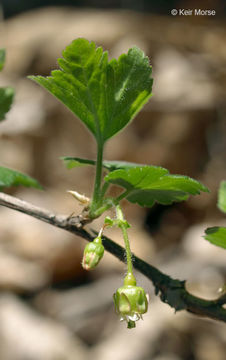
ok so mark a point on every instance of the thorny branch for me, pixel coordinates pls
(171, 291)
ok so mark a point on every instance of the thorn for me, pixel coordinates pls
(81, 198)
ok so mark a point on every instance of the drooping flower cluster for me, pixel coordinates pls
(131, 301)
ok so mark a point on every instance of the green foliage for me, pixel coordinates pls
(146, 185)
(6, 100)
(105, 95)
(222, 197)
(217, 236)
(72, 162)
(9, 177)
(116, 222)
(2, 58)
(6, 93)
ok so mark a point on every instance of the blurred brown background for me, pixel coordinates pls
(50, 309)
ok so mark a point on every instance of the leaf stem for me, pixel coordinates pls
(97, 185)
(124, 225)
(122, 196)
(104, 189)
(106, 205)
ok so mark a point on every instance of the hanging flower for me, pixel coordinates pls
(131, 302)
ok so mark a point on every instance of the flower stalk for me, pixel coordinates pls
(130, 300)
(123, 224)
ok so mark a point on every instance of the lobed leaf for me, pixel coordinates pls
(9, 177)
(6, 99)
(222, 197)
(146, 185)
(217, 236)
(104, 95)
(110, 165)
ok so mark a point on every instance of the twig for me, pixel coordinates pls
(171, 291)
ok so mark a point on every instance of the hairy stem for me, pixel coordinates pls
(123, 226)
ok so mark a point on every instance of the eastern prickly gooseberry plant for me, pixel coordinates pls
(106, 95)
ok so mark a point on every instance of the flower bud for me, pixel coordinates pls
(130, 303)
(93, 253)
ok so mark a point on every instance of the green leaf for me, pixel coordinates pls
(109, 222)
(7, 93)
(222, 197)
(9, 177)
(217, 236)
(2, 58)
(146, 185)
(113, 165)
(6, 99)
(104, 95)
(72, 162)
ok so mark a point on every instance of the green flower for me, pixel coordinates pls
(93, 253)
(131, 302)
